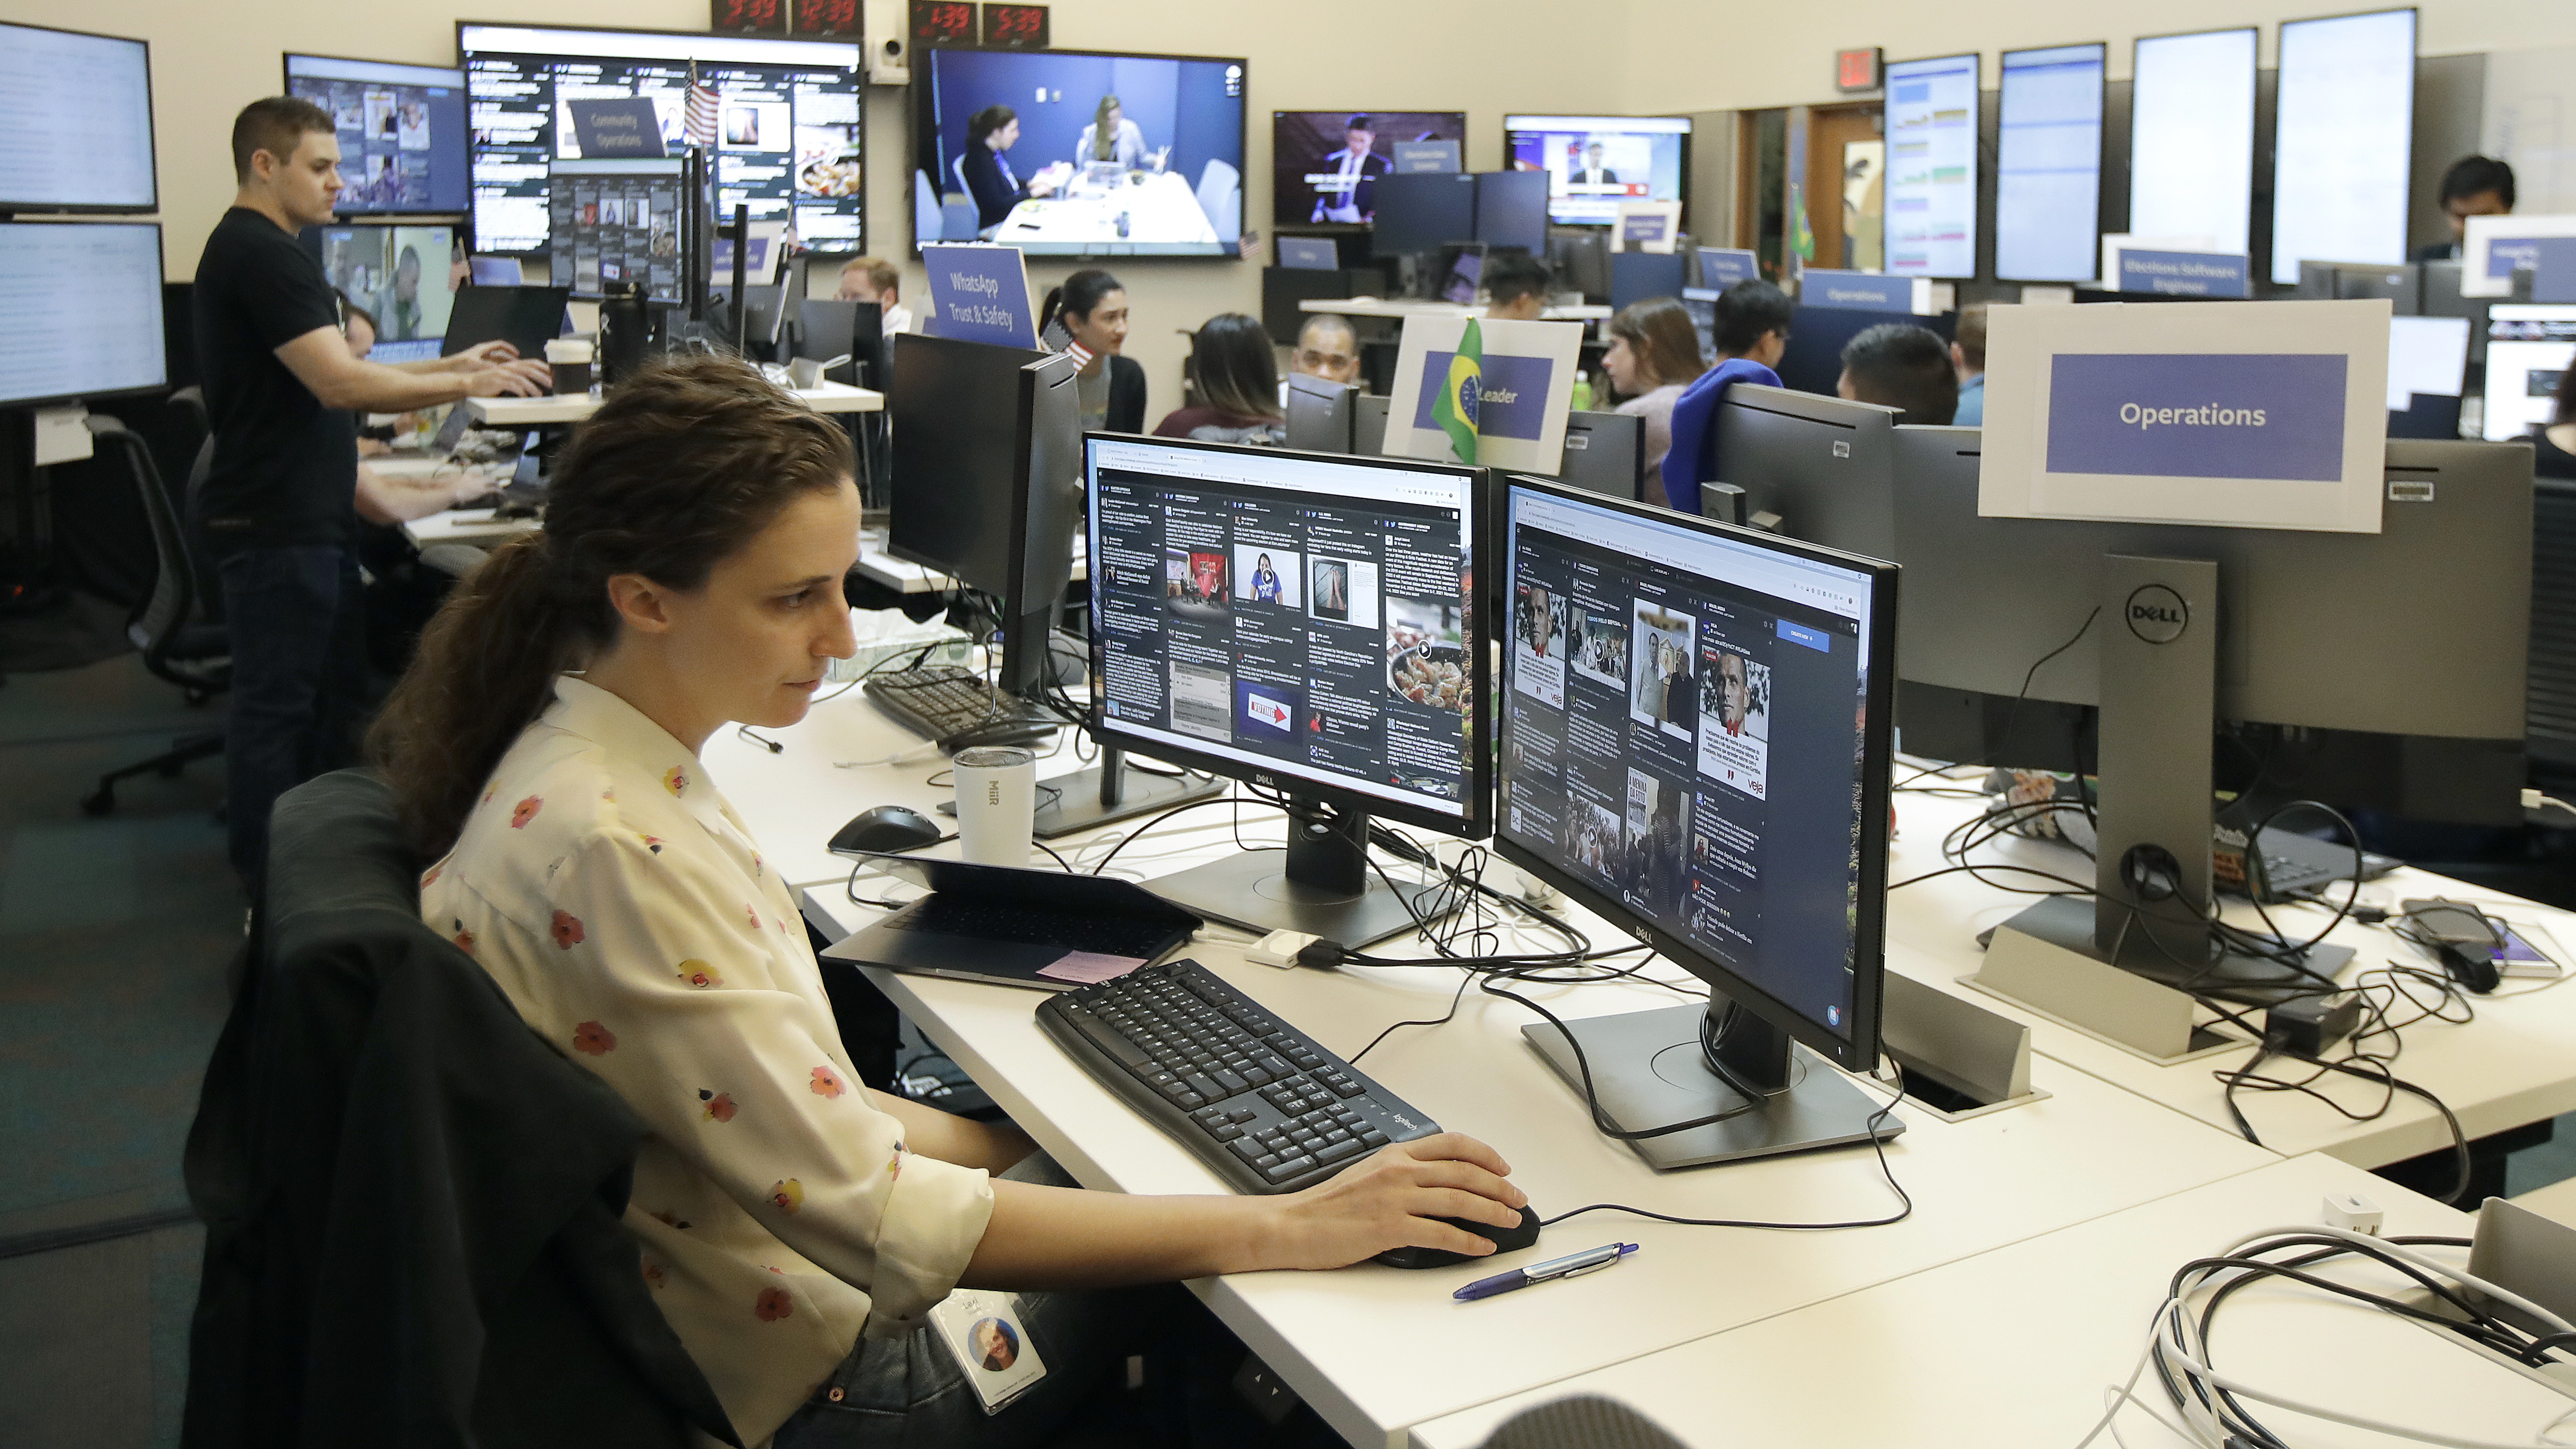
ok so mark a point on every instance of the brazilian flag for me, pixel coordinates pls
(1456, 409)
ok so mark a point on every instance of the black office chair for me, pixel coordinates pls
(1583, 1421)
(2550, 713)
(178, 642)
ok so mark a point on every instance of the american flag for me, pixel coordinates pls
(701, 127)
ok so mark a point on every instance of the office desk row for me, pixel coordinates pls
(559, 409)
(2041, 1232)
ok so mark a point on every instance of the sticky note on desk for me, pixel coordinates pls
(1082, 968)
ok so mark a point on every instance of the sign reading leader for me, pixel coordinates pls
(2248, 415)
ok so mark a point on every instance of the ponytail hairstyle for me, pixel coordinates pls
(682, 465)
(1079, 295)
(1104, 136)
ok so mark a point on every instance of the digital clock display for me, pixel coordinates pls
(1015, 27)
(827, 17)
(943, 22)
(747, 17)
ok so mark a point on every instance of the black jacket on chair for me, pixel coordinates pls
(1126, 395)
(411, 1200)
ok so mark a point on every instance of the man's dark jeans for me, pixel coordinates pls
(299, 682)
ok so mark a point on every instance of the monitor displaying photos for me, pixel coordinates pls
(616, 221)
(1595, 162)
(1324, 165)
(401, 130)
(783, 117)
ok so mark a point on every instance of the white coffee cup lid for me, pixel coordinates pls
(568, 349)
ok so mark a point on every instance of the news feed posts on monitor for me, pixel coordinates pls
(2234, 414)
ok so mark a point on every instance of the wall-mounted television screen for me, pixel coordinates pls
(1595, 162)
(1324, 165)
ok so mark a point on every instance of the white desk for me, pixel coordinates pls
(2515, 1064)
(2014, 1346)
(1161, 212)
(1401, 308)
(1376, 1349)
(530, 412)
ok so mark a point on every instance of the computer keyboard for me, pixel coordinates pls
(943, 701)
(1253, 1097)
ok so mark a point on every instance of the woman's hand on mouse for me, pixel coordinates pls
(1390, 1200)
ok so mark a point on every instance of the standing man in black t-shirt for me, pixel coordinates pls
(279, 504)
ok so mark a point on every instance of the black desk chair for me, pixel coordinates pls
(179, 643)
(412, 1201)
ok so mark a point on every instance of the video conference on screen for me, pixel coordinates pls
(1307, 627)
(1649, 713)
(1593, 163)
(402, 142)
(787, 125)
(400, 274)
(1325, 164)
(1106, 155)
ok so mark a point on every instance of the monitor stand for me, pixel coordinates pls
(1321, 884)
(1110, 791)
(1647, 1071)
(2152, 872)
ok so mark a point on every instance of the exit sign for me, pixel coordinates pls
(1857, 70)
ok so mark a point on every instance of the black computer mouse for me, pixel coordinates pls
(887, 828)
(1505, 1240)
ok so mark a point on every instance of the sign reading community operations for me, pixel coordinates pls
(2249, 415)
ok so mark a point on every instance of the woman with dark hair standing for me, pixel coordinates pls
(796, 1227)
(1237, 370)
(2553, 445)
(1087, 317)
(989, 133)
(1653, 355)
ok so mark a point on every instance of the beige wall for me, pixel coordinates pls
(1687, 55)
(210, 57)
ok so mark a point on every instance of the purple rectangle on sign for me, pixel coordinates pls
(1513, 401)
(2505, 253)
(2554, 279)
(2198, 415)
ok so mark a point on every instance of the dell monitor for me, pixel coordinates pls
(1325, 165)
(1307, 623)
(788, 137)
(401, 128)
(1321, 414)
(1602, 452)
(1637, 276)
(1813, 361)
(1593, 163)
(400, 274)
(1423, 213)
(75, 122)
(2446, 585)
(85, 311)
(1511, 210)
(1137, 155)
(1695, 747)
(1817, 469)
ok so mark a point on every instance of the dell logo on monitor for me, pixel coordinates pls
(2157, 614)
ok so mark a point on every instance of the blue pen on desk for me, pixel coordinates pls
(1553, 1268)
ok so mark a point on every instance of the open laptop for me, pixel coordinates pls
(1015, 927)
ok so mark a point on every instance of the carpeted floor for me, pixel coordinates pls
(114, 936)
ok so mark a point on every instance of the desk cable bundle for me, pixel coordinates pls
(2210, 1406)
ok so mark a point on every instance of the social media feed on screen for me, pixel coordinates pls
(1079, 153)
(401, 130)
(1266, 610)
(1593, 163)
(785, 141)
(1682, 732)
(1325, 165)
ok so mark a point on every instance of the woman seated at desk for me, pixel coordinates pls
(990, 133)
(1237, 371)
(1653, 355)
(796, 1227)
(1110, 137)
(1087, 316)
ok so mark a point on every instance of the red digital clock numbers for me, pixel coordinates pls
(943, 22)
(1015, 27)
(747, 17)
(827, 17)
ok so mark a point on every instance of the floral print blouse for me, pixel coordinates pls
(623, 908)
